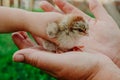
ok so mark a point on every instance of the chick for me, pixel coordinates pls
(67, 31)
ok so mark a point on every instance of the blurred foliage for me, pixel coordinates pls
(38, 10)
(90, 14)
(10, 70)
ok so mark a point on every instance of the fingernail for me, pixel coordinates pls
(18, 58)
(24, 34)
(60, 2)
(18, 36)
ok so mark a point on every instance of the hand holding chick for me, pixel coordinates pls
(67, 31)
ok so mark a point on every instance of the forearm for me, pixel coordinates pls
(11, 19)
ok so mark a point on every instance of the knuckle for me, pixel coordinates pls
(32, 59)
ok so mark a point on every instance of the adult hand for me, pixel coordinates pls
(104, 34)
(67, 66)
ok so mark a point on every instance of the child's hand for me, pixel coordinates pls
(36, 23)
(12, 20)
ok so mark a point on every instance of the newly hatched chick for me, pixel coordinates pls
(67, 31)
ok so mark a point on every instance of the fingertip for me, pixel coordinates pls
(18, 58)
(42, 3)
(20, 34)
(97, 9)
(20, 55)
(17, 36)
(59, 2)
(46, 6)
(92, 4)
(14, 35)
(24, 34)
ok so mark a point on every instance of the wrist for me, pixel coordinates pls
(34, 23)
(27, 21)
(19, 21)
(107, 71)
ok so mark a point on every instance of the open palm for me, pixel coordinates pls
(104, 34)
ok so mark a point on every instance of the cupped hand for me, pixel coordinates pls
(104, 34)
(103, 38)
(67, 66)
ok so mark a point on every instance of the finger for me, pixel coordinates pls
(47, 7)
(37, 39)
(97, 9)
(41, 41)
(22, 40)
(68, 8)
(44, 60)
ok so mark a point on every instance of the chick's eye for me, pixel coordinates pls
(83, 27)
(80, 30)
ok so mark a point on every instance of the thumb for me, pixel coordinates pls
(97, 9)
(44, 60)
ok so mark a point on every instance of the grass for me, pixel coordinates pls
(10, 70)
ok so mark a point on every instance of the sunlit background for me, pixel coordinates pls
(10, 70)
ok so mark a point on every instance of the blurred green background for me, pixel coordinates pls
(10, 70)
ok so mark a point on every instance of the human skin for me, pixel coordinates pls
(66, 66)
(77, 65)
(104, 33)
(12, 20)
